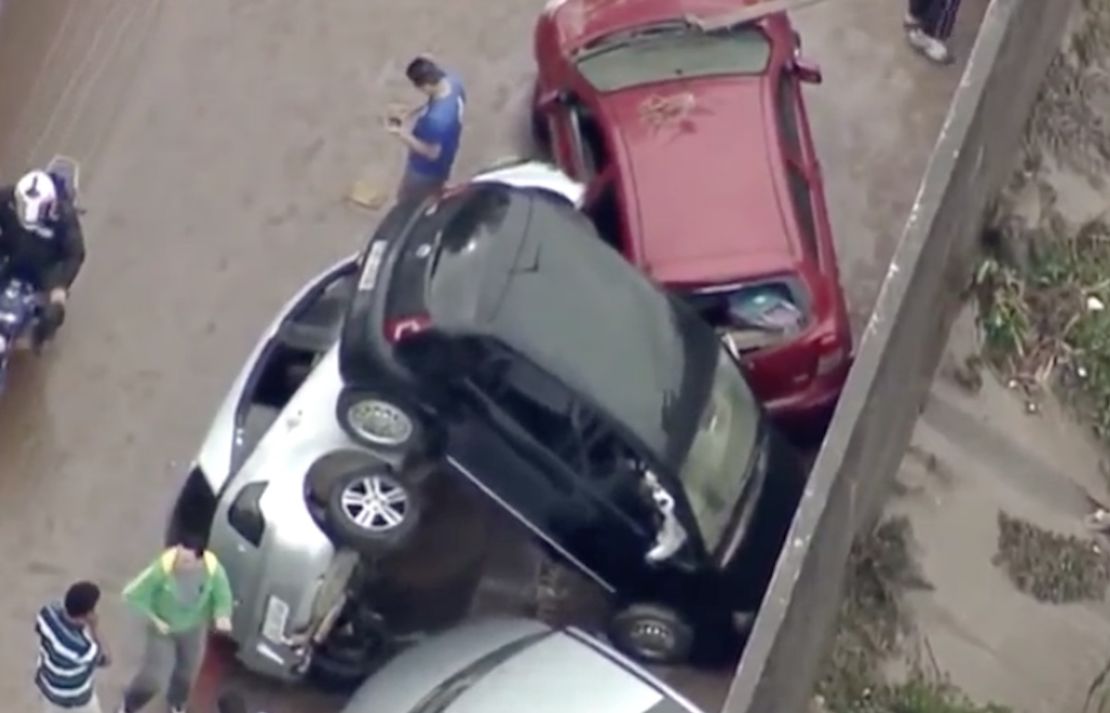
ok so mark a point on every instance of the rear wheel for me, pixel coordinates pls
(371, 510)
(380, 420)
(653, 633)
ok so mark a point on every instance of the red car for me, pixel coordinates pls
(696, 150)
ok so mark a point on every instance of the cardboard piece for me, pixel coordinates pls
(367, 193)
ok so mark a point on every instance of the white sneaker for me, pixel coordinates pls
(933, 49)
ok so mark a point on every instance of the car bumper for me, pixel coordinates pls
(816, 400)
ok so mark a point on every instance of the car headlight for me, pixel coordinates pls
(245, 514)
(277, 616)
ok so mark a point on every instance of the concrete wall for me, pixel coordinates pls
(899, 352)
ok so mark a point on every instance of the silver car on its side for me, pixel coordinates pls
(514, 665)
(274, 447)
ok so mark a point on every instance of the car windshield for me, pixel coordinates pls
(715, 471)
(674, 52)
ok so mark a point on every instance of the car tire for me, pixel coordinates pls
(358, 646)
(652, 633)
(380, 420)
(371, 509)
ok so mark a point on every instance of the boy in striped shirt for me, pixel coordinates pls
(70, 651)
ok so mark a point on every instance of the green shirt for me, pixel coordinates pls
(154, 593)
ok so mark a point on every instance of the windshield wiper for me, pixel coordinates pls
(627, 38)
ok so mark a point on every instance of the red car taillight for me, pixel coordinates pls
(832, 355)
(398, 329)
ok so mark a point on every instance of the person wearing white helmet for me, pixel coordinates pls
(41, 242)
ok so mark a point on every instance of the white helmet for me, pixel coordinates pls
(35, 196)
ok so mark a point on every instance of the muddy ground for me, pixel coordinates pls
(218, 138)
(1002, 474)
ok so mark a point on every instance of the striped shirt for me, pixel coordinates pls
(68, 657)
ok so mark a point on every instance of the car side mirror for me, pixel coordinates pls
(807, 71)
(670, 535)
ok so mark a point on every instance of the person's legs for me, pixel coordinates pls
(944, 20)
(93, 706)
(157, 661)
(416, 186)
(189, 651)
(917, 12)
(922, 36)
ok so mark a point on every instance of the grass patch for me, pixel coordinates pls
(1050, 325)
(1050, 567)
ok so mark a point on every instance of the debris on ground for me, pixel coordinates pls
(968, 375)
(872, 623)
(1043, 292)
(1051, 567)
(368, 194)
(873, 627)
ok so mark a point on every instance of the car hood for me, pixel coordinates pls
(726, 208)
(532, 677)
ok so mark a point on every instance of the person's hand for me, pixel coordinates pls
(223, 624)
(162, 627)
(393, 125)
(58, 295)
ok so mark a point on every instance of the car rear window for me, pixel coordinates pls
(674, 52)
(755, 315)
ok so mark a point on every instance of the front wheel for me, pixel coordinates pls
(653, 633)
(371, 510)
(380, 420)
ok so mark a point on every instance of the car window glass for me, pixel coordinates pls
(788, 115)
(549, 412)
(673, 51)
(802, 198)
(714, 473)
(800, 192)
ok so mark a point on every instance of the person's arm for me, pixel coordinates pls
(221, 600)
(105, 657)
(430, 126)
(139, 593)
(62, 275)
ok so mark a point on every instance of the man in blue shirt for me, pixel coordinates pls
(431, 131)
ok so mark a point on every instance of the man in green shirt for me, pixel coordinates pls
(180, 594)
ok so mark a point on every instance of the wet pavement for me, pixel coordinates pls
(217, 139)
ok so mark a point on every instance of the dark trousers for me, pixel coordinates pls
(937, 17)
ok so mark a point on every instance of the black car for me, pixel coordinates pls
(494, 331)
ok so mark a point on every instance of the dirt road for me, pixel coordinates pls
(217, 138)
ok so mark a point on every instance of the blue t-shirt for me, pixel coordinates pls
(440, 123)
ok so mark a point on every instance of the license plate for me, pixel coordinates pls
(277, 616)
(372, 266)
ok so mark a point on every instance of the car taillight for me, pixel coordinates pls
(397, 329)
(832, 356)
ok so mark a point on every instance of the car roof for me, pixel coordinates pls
(580, 22)
(533, 275)
(718, 213)
(509, 665)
